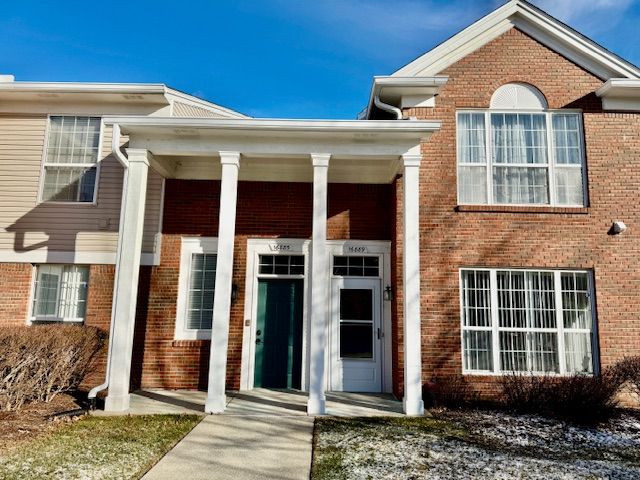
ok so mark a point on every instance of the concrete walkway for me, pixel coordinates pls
(241, 448)
(263, 434)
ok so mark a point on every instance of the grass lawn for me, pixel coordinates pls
(475, 445)
(96, 448)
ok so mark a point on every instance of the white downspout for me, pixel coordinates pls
(386, 107)
(115, 149)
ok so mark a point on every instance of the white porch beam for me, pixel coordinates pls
(216, 397)
(413, 404)
(125, 289)
(319, 287)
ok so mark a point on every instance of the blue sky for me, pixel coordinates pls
(266, 58)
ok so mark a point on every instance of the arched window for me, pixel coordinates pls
(519, 152)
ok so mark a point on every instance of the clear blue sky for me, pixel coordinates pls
(266, 58)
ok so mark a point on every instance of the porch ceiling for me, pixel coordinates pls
(277, 150)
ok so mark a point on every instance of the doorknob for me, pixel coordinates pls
(259, 332)
(258, 341)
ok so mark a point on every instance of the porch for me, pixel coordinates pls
(352, 152)
(262, 402)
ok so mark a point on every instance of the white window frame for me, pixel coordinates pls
(559, 330)
(551, 157)
(32, 318)
(190, 246)
(45, 164)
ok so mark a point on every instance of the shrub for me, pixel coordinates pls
(450, 391)
(38, 362)
(628, 372)
(582, 399)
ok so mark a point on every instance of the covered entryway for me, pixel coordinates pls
(278, 362)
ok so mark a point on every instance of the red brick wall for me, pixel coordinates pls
(265, 209)
(15, 285)
(544, 238)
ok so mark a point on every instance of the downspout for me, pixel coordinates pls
(386, 107)
(115, 149)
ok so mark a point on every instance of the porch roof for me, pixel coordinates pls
(362, 151)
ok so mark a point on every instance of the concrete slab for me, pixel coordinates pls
(241, 447)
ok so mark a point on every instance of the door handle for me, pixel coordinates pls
(258, 341)
(378, 334)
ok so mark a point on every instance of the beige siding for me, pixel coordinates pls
(185, 110)
(26, 225)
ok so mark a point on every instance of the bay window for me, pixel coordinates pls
(536, 321)
(520, 158)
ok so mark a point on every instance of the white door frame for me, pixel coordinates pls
(271, 246)
(366, 248)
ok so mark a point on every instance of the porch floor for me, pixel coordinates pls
(262, 402)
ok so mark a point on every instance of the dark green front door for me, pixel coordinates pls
(279, 334)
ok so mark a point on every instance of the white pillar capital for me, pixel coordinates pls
(320, 159)
(138, 155)
(411, 160)
(230, 158)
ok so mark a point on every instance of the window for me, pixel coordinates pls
(60, 293)
(282, 264)
(70, 166)
(517, 158)
(196, 288)
(526, 321)
(345, 266)
(356, 323)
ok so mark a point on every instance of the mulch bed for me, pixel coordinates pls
(34, 419)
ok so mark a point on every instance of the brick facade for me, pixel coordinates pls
(529, 237)
(452, 237)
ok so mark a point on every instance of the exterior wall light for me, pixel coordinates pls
(618, 227)
(234, 293)
(388, 293)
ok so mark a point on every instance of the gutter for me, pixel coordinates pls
(386, 107)
(124, 161)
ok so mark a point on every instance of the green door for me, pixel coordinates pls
(279, 334)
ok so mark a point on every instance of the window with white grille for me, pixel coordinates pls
(71, 158)
(60, 293)
(537, 321)
(520, 158)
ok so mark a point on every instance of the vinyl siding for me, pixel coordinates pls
(26, 225)
(185, 110)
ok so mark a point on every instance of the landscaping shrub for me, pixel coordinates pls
(582, 399)
(38, 362)
(628, 372)
(451, 392)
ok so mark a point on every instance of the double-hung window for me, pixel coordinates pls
(536, 321)
(60, 293)
(196, 288)
(71, 159)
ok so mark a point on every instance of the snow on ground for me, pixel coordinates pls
(477, 445)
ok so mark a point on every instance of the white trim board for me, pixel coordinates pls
(532, 21)
(55, 256)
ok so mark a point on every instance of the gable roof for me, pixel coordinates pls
(534, 22)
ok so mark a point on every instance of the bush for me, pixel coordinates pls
(451, 392)
(582, 399)
(628, 372)
(38, 362)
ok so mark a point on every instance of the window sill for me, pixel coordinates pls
(522, 209)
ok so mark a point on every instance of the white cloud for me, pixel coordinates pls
(592, 15)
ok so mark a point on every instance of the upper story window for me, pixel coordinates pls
(71, 158)
(520, 153)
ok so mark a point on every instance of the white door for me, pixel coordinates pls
(356, 363)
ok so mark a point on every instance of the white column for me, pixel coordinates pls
(216, 397)
(125, 288)
(413, 404)
(319, 287)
